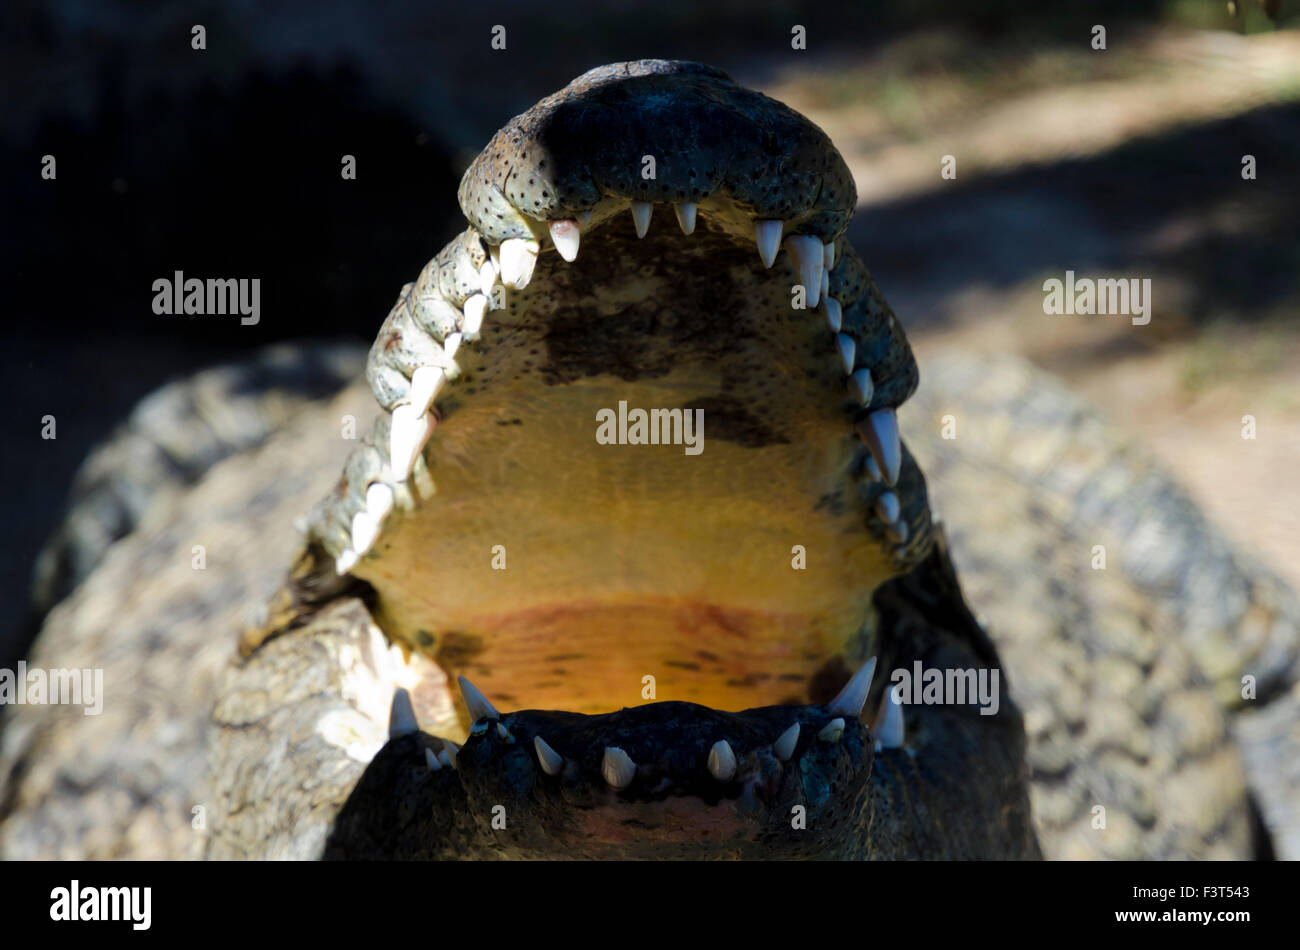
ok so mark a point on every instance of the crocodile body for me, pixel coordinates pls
(335, 732)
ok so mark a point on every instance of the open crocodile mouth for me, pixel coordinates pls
(639, 443)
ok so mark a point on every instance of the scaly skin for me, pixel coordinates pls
(273, 766)
(292, 769)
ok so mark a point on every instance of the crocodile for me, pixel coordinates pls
(483, 530)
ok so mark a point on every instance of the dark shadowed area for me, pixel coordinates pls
(225, 162)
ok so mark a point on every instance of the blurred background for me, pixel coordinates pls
(1122, 162)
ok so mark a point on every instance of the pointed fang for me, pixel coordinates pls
(879, 433)
(887, 507)
(475, 307)
(379, 500)
(345, 561)
(425, 383)
(686, 216)
(832, 731)
(889, 735)
(487, 276)
(617, 768)
(834, 313)
(518, 258)
(862, 386)
(848, 350)
(808, 256)
(784, 746)
(365, 531)
(408, 431)
(722, 761)
(476, 702)
(767, 234)
(853, 697)
(449, 752)
(565, 235)
(641, 217)
(401, 715)
(550, 760)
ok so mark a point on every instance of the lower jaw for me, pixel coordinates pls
(594, 657)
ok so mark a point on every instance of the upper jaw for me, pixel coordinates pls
(656, 131)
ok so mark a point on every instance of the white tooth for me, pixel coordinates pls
(431, 760)
(686, 216)
(452, 344)
(345, 561)
(826, 282)
(828, 261)
(848, 351)
(863, 387)
(565, 235)
(617, 768)
(449, 752)
(401, 715)
(365, 531)
(873, 470)
(834, 313)
(494, 255)
(379, 500)
(425, 383)
(889, 735)
(504, 733)
(408, 431)
(784, 746)
(887, 507)
(853, 696)
(424, 487)
(722, 761)
(807, 253)
(475, 308)
(487, 276)
(879, 433)
(641, 217)
(832, 731)
(476, 702)
(518, 258)
(768, 236)
(550, 760)
(898, 532)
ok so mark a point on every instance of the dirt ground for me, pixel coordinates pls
(1117, 164)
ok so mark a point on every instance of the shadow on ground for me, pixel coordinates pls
(1173, 204)
(242, 184)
